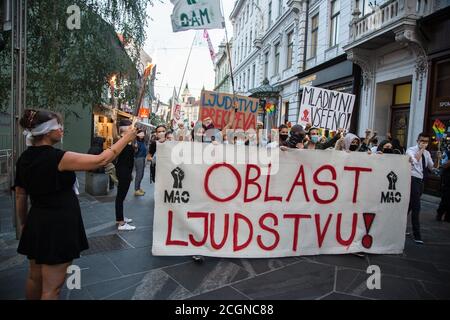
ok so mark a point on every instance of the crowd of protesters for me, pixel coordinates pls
(52, 229)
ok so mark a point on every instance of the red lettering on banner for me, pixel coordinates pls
(206, 182)
(271, 230)
(296, 218)
(203, 215)
(250, 121)
(237, 119)
(169, 241)
(225, 232)
(252, 181)
(339, 239)
(357, 170)
(321, 234)
(236, 246)
(266, 194)
(207, 112)
(301, 172)
(322, 183)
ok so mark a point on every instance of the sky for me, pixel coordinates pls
(169, 50)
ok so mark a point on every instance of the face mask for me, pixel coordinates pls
(314, 139)
(388, 151)
(353, 147)
(225, 142)
(161, 135)
(240, 143)
(283, 137)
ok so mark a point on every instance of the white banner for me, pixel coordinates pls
(196, 14)
(313, 202)
(326, 109)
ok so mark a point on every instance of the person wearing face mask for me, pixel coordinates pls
(314, 140)
(140, 152)
(160, 136)
(296, 137)
(283, 135)
(421, 162)
(351, 142)
(385, 147)
(374, 145)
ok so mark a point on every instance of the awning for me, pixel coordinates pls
(265, 90)
(124, 114)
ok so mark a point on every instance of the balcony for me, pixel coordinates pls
(379, 27)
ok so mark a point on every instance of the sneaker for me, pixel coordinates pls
(408, 233)
(127, 220)
(142, 191)
(139, 193)
(418, 241)
(198, 259)
(126, 227)
(359, 254)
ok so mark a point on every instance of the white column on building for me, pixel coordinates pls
(408, 35)
(366, 109)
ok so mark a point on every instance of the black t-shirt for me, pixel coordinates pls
(125, 163)
(37, 171)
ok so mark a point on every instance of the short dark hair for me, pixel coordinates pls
(160, 126)
(282, 126)
(169, 132)
(125, 123)
(423, 135)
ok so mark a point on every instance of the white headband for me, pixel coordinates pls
(41, 129)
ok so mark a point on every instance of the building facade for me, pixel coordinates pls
(222, 81)
(190, 107)
(326, 64)
(386, 42)
(268, 53)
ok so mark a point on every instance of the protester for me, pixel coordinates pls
(52, 230)
(96, 149)
(170, 136)
(160, 137)
(421, 162)
(296, 138)
(373, 145)
(140, 153)
(198, 132)
(364, 144)
(351, 142)
(283, 135)
(444, 206)
(314, 140)
(149, 157)
(385, 147)
(124, 170)
(398, 149)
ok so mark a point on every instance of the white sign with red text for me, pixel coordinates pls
(314, 202)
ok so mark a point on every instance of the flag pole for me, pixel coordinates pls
(185, 67)
(228, 53)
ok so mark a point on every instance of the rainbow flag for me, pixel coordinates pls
(270, 108)
(439, 129)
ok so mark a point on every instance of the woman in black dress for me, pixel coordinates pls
(52, 230)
